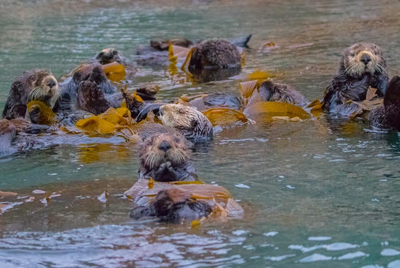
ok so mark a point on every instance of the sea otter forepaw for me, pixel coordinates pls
(91, 98)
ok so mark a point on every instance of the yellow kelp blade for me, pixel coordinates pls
(114, 71)
(176, 52)
(185, 65)
(275, 109)
(113, 116)
(95, 125)
(246, 89)
(46, 114)
(224, 116)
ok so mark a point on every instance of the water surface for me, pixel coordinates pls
(319, 193)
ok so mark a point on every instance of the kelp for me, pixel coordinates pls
(41, 113)
(114, 71)
(105, 123)
(224, 116)
(143, 192)
(272, 109)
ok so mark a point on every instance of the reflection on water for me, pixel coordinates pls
(321, 192)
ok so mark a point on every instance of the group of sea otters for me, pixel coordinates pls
(93, 100)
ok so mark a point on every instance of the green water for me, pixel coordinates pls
(319, 193)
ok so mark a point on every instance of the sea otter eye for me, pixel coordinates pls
(352, 54)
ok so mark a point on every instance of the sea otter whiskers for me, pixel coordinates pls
(166, 157)
(33, 85)
(362, 66)
(192, 123)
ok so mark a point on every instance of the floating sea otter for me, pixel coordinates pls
(388, 115)
(187, 120)
(166, 157)
(33, 85)
(164, 164)
(88, 89)
(156, 54)
(362, 66)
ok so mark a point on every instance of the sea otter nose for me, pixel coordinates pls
(365, 58)
(51, 83)
(165, 146)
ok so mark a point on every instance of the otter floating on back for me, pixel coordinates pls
(33, 85)
(187, 120)
(164, 162)
(166, 157)
(362, 66)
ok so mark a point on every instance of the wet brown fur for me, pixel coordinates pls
(388, 115)
(270, 91)
(86, 90)
(109, 55)
(32, 85)
(166, 157)
(362, 66)
(187, 120)
(215, 54)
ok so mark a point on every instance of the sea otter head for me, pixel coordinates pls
(188, 120)
(108, 55)
(164, 148)
(45, 89)
(362, 58)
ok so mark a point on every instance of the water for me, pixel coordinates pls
(318, 193)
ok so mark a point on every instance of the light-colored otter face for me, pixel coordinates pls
(48, 90)
(108, 55)
(362, 58)
(188, 120)
(165, 147)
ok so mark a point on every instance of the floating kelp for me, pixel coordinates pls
(144, 191)
(114, 71)
(105, 123)
(225, 116)
(272, 109)
(40, 113)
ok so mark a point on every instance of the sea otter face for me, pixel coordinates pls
(362, 58)
(165, 148)
(108, 55)
(45, 89)
(188, 120)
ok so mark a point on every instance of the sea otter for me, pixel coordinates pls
(156, 54)
(166, 157)
(214, 54)
(388, 115)
(88, 89)
(270, 91)
(109, 55)
(164, 163)
(33, 85)
(187, 120)
(362, 66)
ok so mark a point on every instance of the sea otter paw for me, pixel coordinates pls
(91, 98)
